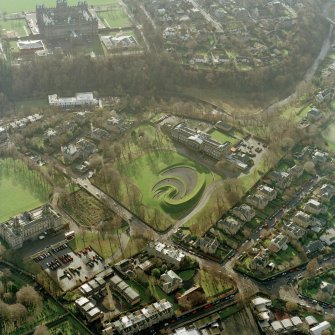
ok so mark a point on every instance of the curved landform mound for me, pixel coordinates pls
(179, 188)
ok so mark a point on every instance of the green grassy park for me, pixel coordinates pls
(21, 189)
(329, 135)
(163, 182)
(115, 18)
(223, 137)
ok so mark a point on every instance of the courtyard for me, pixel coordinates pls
(21, 189)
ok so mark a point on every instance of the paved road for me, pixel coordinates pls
(208, 17)
(310, 72)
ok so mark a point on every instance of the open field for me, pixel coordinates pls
(223, 137)
(329, 135)
(213, 284)
(21, 189)
(10, 6)
(115, 18)
(14, 25)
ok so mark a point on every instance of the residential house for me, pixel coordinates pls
(257, 200)
(267, 192)
(127, 292)
(99, 134)
(296, 171)
(326, 192)
(191, 296)
(230, 225)
(168, 253)
(88, 308)
(261, 307)
(278, 243)
(293, 231)
(311, 321)
(303, 219)
(208, 245)
(260, 261)
(94, 286)
(140, 320)
(314, 207)
(281, 179)
(313, 247)
(328, 237)
(244, 212)
(314, 115)
(327, 287)
(320, 328)
(70, 153)
(320, 157)
(324, 95)
(3, 135)
(29, 225)
(170, 282)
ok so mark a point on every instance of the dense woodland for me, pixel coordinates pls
(156, 72)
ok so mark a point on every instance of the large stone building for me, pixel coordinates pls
(199, 141)
(29, 225)
(65, 21)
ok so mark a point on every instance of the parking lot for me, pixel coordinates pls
(68, 268)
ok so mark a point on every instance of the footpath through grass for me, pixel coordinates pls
(21, 189)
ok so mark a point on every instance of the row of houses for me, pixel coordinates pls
(261, 308)
(140, 320)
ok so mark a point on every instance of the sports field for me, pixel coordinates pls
(20, 188)
(12, 6)
(115, 18)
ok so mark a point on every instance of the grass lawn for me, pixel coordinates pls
(115, 18)
(329, 135)
(223, 137)
(311, 286)
(69, 327)
(186, 275)
(11, 6)
(213, 284)
(14, 25)
(103, 246)
(21, 189)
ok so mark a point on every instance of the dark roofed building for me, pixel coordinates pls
(65, 21)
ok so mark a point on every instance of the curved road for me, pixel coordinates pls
(310, 72)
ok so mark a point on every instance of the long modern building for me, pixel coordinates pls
(200, 141)
(141, 319)
(65, 21)
(29, 225)
(80, 99)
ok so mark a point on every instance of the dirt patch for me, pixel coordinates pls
(241, 323)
